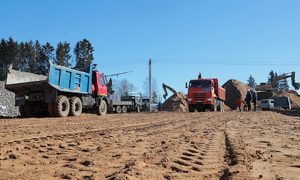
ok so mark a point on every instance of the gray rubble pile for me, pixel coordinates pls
(7, 102)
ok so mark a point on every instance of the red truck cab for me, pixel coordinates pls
(205, 94)
(99, 84)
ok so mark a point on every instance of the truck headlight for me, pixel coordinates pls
(189, 99)
(209, 99)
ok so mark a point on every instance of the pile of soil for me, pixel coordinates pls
(176, 102)
(234, 90)
(7, 102)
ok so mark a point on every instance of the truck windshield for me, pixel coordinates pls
(200, 84)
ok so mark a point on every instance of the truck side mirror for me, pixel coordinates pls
(186, 85)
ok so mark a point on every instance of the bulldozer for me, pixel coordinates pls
(268, 87)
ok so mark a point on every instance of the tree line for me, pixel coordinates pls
(34, 57)
(281, 85)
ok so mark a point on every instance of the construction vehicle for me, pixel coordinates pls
(124, 104)
(63, 92)
(205, 94)
(266, 87)
(166, 87)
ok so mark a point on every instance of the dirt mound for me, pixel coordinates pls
(234, 89)
(176, 102)
(295, 100)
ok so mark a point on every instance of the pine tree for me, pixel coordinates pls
(251, 81)
(46, 54)
(12, 51)
(30, 57)
(8, 55)
(22, 62)
(271, 76)
(3, 59)
(83, 54)
(110, 87)
(63, 56)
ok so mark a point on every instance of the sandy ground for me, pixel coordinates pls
(212, 145)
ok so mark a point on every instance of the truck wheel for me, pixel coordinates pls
(118, 109)
(102, 108)
(75, 106)
(124, 109)
(138, 109)
(62, 106)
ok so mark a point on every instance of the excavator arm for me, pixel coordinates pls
(165, 87)
(285, 76)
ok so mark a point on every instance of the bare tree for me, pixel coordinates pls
(124, 87)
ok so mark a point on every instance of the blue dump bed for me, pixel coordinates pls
(70, 80)
(59, 77)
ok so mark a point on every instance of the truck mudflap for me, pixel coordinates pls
(18, 81)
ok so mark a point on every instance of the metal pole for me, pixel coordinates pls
(150, 88)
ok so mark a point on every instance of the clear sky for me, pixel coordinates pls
(227, 39)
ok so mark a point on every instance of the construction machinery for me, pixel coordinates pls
(205, 94)
(175, 93)
(124, 104)
(165, 88)
(63, 92)
(265, 87)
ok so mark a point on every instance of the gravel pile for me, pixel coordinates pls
(7, 102)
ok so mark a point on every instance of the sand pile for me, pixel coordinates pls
(176, 102)
(234, 89)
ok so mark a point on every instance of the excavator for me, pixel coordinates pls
(166, 87)
(267, 87)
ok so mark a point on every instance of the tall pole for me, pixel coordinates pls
(150, 89)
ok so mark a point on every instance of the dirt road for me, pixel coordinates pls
(249, 145)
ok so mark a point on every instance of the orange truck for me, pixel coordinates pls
(205, 94)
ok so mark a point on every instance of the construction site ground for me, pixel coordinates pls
(208, 145)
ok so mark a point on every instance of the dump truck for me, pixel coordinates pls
(128, 103)
(205, 94)
(63, 92)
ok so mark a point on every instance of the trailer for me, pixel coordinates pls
(124, 104)
(63, 92)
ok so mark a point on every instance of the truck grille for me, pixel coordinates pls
(198, 96)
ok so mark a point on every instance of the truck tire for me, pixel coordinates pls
(102, 108)
(75, 106)
(62, 106)
(118, 109)
(124, 109)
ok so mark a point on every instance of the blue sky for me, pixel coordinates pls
(226, 39)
